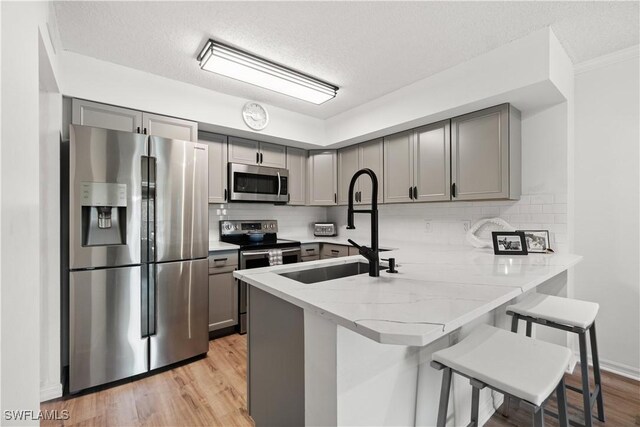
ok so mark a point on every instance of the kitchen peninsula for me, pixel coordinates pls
(356, 350)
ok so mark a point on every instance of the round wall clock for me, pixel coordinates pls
(255, 115)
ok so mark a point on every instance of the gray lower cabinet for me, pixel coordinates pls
(322, 171)
(420, 161)
(88, 113)
(223, 290)
(217, 165)
(297, 166)
(486, 154)
(330, 250)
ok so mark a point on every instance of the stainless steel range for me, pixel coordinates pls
(259, 246)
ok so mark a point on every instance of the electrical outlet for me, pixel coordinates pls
(428, 228)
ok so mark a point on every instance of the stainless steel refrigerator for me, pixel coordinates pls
(137, 254)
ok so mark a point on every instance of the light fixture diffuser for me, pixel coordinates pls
(227, 61)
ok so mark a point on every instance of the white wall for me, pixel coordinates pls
(22, 25)
(96, 80)
(607, 194)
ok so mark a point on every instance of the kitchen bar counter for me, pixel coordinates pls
(436, 290)
(356, 350)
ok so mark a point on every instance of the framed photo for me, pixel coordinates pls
(537, 240)
(509, 243)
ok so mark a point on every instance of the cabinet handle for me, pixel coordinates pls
(335, 251)
(453, 190)
(415, 193)
(225, 195)
(335, 198)
(144, 131)
(219, 259)
(310, 250)
(258, 158)
(411, 193)
(261, 158)
(138, 129)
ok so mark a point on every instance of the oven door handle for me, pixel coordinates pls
(267, 252)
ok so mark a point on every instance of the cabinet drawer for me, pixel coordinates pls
(311, 249)
(310, 258)
(222, 260)
(333, 251)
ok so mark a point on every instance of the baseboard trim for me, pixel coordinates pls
(50, 391)
(621, 369)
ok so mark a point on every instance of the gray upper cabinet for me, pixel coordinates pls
(352, 159)
(398, 166)
(252, 152)
(486, 154)
(417, 165)
(217, 165)
(89, 113)
(94, 114)
(322, 182)
(169, 127)
(297, 166)
(348, 161)
(431, 163)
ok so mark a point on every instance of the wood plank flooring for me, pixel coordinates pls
(212, 392)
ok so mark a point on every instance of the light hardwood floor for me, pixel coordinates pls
(212, 392)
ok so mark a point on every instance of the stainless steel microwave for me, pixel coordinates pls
(249, 183)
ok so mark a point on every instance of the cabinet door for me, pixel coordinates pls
(89, 113)
(273, 155)
(223, 300)
(297, 165)
(217, 166)
(371, 157)
(398, 167)
(329, 250)
(322, 176)
(347, 166)
(431, 160)
(243, 151)
(480, 154)
(169, 127)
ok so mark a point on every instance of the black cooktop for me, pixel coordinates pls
(270, 241)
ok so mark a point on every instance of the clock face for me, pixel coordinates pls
(255, 115)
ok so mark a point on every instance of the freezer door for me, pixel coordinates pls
(181, 310)
(181, 229)
(105, 209)
(105, 327)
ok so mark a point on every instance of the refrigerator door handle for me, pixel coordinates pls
(152, 209)
(152, 299)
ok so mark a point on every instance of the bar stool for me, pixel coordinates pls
(572, 316)
(514, 365)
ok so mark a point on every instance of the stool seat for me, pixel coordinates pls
(566, 311)
(523, 367)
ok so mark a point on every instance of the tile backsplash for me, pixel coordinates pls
(448, 222)
(294, 221)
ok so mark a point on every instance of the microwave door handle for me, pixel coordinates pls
(279, 184)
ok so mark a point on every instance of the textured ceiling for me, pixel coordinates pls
(368, 49)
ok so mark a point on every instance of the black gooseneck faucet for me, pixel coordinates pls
(369, 253)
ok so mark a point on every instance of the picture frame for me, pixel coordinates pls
(509, 243)
(537, 241)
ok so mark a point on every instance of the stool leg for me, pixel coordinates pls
(514, 323)
(538, 417)
(475, 406)
(444, 397)
(506, 404)
(562, 404)
(596, 370)
(584, 366)
(528, 328)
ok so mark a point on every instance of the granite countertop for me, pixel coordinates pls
(437, 290)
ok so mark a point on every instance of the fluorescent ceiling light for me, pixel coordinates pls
(239, 65)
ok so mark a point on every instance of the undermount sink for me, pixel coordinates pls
(315, 275)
